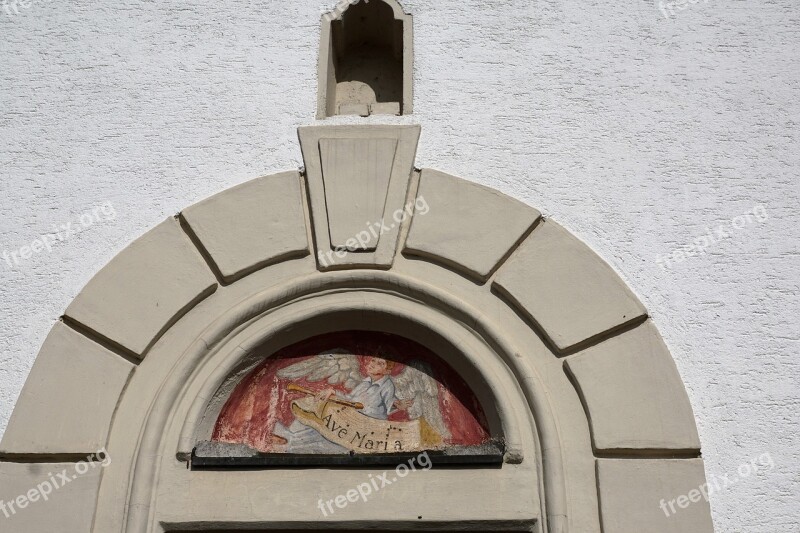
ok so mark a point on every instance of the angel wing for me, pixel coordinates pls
(337, 366)
(415, 383)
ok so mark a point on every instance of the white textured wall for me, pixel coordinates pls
(633, 130)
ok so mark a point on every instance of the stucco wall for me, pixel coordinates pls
(638, 132)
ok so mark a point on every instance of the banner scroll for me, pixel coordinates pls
(350, 429)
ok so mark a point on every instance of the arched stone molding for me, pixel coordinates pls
(597, 423)
(318, 312)
(374, 307)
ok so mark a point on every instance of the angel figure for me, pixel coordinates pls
(376, 395)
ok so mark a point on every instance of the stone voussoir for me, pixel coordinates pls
(633, 394)
(145, 288)
(44, 497)
(252, 225)
(653, 495)
(567, 289)
(69, 398)
(450, 221)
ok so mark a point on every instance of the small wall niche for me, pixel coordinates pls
(365, 60)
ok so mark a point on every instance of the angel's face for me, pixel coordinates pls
(377, 367)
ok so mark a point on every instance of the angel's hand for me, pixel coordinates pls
(325, 395)
(402, 405)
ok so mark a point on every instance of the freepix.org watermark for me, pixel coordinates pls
(373, 231)
(54, 482)
(762, 462)
(374, 484)
(61, 233)
(722, 232)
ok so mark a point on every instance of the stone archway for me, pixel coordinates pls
(598, 426)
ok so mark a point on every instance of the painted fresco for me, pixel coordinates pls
(354, 391)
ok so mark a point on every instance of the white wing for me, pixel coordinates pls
(416, 383)
(337, 366)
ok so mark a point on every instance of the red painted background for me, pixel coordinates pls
(261, 399)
